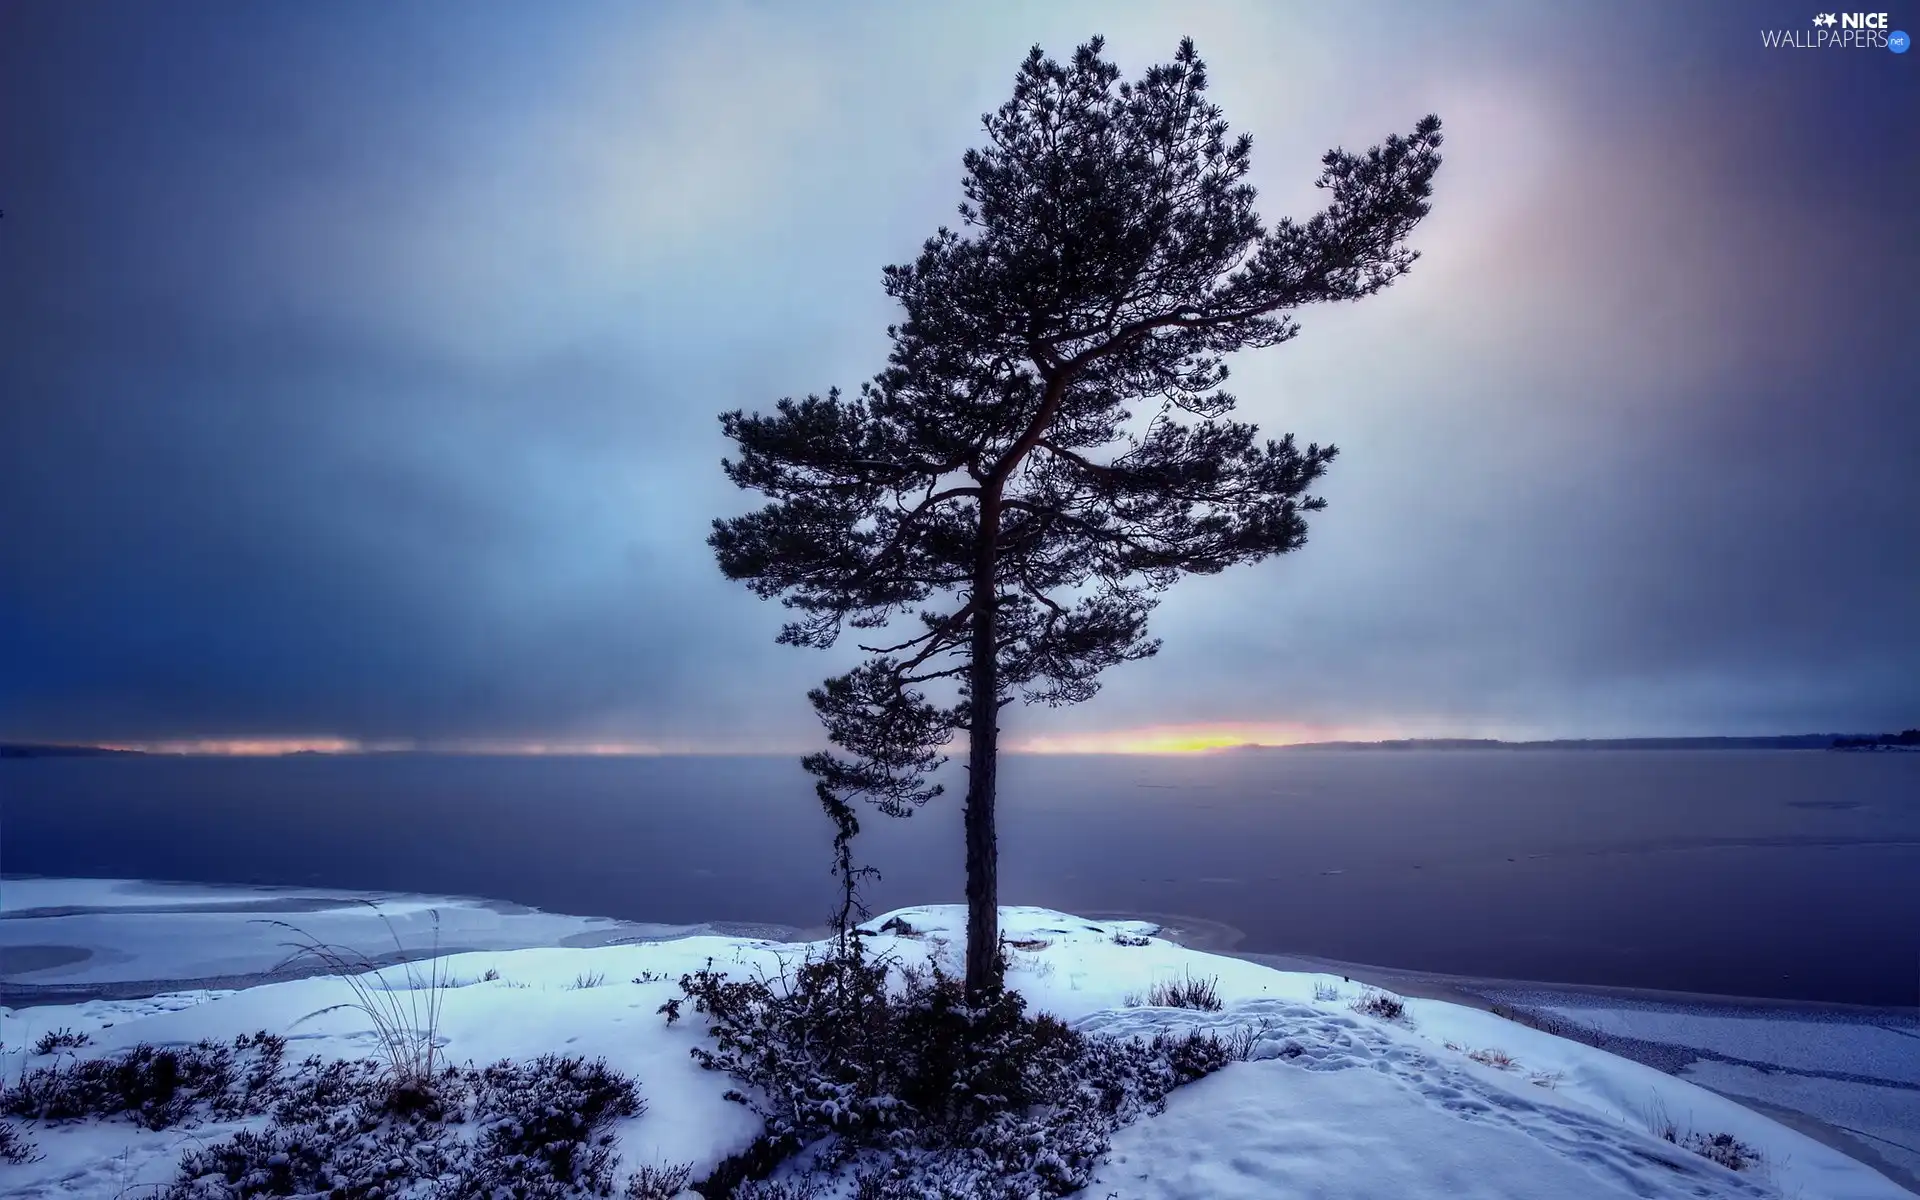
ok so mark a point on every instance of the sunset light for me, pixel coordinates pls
(256, 747)
(1188, 739)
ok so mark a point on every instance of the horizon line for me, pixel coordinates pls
(1130, 744)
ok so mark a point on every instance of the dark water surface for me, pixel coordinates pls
(1790, 874)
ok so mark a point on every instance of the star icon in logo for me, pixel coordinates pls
(1825, 19)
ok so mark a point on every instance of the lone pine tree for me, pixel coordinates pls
(1048, 446)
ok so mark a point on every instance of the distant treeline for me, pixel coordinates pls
(1877, 741)
(20, 750)
(1799, 741)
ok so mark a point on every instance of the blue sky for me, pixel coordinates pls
(359, 365)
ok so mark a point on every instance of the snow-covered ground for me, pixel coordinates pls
(114, 935)
(1858, 1074)
(1333, 1104)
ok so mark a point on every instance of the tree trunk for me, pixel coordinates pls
(983, 743)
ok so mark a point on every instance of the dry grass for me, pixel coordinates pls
(1659, 1123)
(1241, 1043)
(16, 1147)
(1494, 1057)
(1384, 1006)
(1188, 992)
(406, 1024)
(55, 1040)
(659, 1183)
(1722, 1148)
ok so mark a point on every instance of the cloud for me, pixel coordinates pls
(360, 371)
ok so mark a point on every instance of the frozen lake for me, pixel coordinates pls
(1787, 874)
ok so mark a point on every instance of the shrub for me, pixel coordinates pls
(1723, 1148)
(792, 1189)
(540, 1119)
(1493, 1058)
(1203, 994)
(342, 1128)
(541, 1135)
(659, 1183)
(56, 1040)
(156, 1088)
(954, 1098)
(1384, 1005)
(320, 1089)
(17, 1147)
(583, 981)
(1240, 1044)
(1325, 991)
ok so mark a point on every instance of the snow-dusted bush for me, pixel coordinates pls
(652, 1182)
(1723, 1148)
(55, 1040)
(1493, 1057)
(785, 1189)
(16, 1147)
(1203, 994)
(1384, 1005)
(535, 1131)
(156, 1088)
(896, 1073)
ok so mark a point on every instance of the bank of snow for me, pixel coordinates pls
(1333, 1103)
(123, 935)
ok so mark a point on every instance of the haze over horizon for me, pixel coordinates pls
(360, 369)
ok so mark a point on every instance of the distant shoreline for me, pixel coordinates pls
(32, 750)
(1906, 741)
(1808, 741)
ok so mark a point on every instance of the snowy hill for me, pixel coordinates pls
(1333, 1102)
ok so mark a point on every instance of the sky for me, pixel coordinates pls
(359, 367)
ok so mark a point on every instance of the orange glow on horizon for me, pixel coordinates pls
(1195, 738)
(1188, 739)
(267, 747)
(562, 749)
(244, 747)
